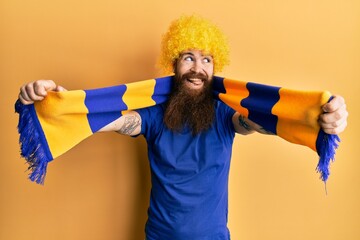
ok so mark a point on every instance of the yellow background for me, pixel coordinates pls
(99, 189)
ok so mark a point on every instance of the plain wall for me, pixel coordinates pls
(100, 189)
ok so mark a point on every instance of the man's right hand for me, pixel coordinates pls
(37, 90)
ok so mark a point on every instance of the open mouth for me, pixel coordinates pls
(195, 81)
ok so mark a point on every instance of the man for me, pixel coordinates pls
(190, 136)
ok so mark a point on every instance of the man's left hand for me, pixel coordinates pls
(334, 118)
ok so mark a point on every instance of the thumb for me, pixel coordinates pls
(41, 87)
(60, 89)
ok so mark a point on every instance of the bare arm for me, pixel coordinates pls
(127, 124)
(245, 126)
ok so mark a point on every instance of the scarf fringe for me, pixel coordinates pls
(326, 149)
(32, 142)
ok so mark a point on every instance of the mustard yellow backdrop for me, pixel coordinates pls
(99, 190)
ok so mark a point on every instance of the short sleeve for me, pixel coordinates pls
(151, 120)
(225, 114)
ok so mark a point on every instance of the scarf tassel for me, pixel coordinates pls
(32, 142)
(326, 145)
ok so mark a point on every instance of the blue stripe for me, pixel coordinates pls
(104, 110)
(321, 138)
(218, 86)
(99, 120)
(326, 145)
(260, 101)
(44, 149)
(162, 89)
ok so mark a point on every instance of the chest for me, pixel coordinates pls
(190, 154)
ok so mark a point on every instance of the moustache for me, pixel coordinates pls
(200, 76)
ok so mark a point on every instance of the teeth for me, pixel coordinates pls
(195, 80)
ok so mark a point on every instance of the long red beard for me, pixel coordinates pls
(190, 108)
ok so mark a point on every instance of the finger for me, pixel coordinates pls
(334, 104)
(41, 87)
(336, 130)
(60, 89)
(23, 95)
(332, 124)
(25, 99)
(29, 93)
(330, 117)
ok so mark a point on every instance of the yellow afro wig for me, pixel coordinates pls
(193, 32)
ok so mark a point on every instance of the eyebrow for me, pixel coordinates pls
(190, 53)
(187, 53)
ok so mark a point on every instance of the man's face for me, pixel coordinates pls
(191, 102)
(194, 68)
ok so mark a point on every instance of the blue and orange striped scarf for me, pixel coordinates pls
(51, 127)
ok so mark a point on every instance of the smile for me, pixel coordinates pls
(195, 81)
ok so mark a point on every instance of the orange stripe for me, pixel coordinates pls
(236, 91)
(297, 117)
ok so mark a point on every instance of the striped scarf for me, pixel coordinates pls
(51, 127)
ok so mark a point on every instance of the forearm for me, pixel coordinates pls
(245, 126)
(128, 124)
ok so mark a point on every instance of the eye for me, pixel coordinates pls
(188, 58)
(207, 60)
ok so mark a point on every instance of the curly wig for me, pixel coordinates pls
(193, 32)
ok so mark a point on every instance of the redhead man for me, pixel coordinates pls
(190, 136)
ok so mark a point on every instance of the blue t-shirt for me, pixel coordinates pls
(189, 174)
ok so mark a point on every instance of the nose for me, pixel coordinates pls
(196, 67)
